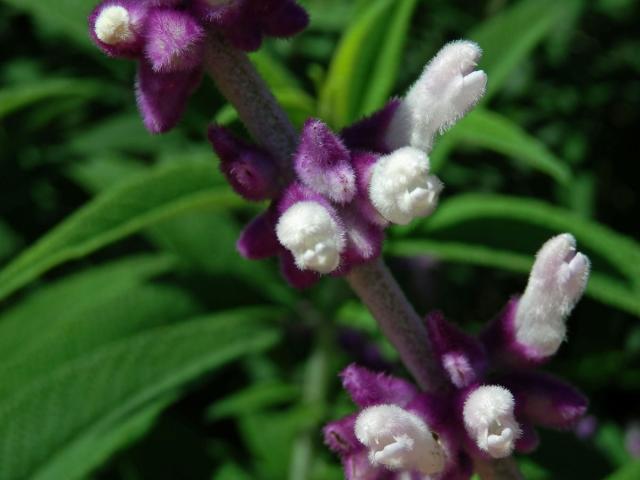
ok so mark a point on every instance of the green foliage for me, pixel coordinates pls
(125, 313)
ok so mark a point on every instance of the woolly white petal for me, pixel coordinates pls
(447, 89)
(488, 418)
(558, 279)
(312, 235)
(399, 440)
(113, 25)
(401, 188)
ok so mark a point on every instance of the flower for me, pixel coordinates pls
(167, 38)
(488, 409)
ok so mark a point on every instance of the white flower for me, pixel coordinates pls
(488, 418)
(447, 89)
(399, 440)
(401, 188)
(314, 238)
(558, 279)
(113, 25)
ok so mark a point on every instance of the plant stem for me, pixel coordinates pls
(239, 82)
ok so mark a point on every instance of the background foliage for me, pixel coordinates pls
(135, 343)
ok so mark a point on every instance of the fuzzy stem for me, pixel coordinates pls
(239, 82)
(398, 320)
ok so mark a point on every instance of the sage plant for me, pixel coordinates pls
(332, 195)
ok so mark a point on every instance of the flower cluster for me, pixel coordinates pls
(167, 37)
(346, 188)
(488, 409)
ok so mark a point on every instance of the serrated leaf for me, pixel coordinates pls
(491, 131)
(46, 424)
(123, 210)
(16, 97)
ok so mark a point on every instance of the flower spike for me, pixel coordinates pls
(447, 89)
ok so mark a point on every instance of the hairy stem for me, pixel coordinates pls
(239, 82)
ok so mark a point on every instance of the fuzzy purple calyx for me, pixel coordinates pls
(322, 163)
(174, 40)
(251, 171)
(162, 97)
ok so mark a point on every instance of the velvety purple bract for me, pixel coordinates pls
(162, 97)
(174, 41)
(258, 239)
(368, 388)
(368, 134)
(251, 171)
(245, 22)
(462, 357)
(323, 163)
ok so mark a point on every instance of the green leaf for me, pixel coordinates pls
(123, 210)
(47, 424)
(385, 72)
(621, 252)
(69, 17)
(601, 287)
(252, 399)
(30, 319)
(98, 445)
(509, 37)
(16, 97)
(490, 130)
(630, 471)
(349, 69)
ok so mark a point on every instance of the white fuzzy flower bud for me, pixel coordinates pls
(558, 279)
(113, 25)
(488, 418)
(447, 89)
(401, 188)
(399, 440)
(312, 235)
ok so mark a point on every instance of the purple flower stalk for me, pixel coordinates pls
(348, 188)
(167, 38)
(487, 410)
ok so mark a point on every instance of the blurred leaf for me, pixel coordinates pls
(270, 437)
(610, 441)
(622, 252)
(385, 72)
(509, 37)
(69, 17)
(14, 98)
(630, 471)
(121, 211)
(348, 71)
(45, 426)
(9, 240)
(230, 471)
(600, 287)
(490, 130)
(252, 399)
